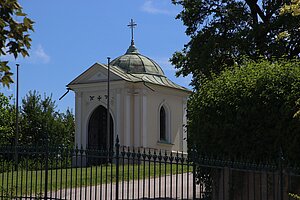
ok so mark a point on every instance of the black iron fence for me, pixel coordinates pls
(128, 173)
(120, 173)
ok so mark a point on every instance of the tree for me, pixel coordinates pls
(14, 36)
(223, 32)
(293, 7)
(248, 112)
(41, 124)
(7, 121)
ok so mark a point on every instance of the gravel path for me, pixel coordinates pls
(153, 188)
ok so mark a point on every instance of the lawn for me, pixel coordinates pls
(33, 182)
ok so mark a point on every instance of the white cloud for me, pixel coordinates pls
(150, 7)
(39, 55)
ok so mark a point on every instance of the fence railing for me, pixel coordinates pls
(132, 173)
(120, 173)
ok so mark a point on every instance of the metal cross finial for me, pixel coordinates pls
(132, 25)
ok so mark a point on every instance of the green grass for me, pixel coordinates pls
(33, 182)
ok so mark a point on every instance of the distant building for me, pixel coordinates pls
(147, 110)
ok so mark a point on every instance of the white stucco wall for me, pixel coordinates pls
(135, 112)
(173, 101)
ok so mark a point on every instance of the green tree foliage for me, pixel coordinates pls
(293, 7)
(222, 32)
(248, 112)
(14, 35)
(7, 121)
(41, 123)
(294, 196)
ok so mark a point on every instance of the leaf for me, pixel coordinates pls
(2, 23)
(19, 13)
(4, 67)
(6, 80)
(28, 22)
(24, 53)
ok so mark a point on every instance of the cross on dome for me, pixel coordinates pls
(132, 25)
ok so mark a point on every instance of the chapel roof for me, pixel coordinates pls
(132, 62)
(133, 67)
(146, 78)
(137, 67)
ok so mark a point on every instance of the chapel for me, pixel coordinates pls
(146, 109)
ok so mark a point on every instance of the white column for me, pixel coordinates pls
(137, 118)
(118, 118)
(184, 123)
(144, 118)
(78, 121)
(84, 122)
(127, 119)
(78, 127)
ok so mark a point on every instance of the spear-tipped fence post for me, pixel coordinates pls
(46, 166)
(281, 159)
(117, 166)
(193, 158)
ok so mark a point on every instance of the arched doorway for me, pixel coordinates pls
(97, 131)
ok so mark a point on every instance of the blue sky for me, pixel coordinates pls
(70, 36)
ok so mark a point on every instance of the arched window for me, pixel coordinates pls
(163, 124)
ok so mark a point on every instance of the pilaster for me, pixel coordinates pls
(78, 118)
(118, 117)
(137, 118)
(184, 123)
(127, 118)
(144, 119)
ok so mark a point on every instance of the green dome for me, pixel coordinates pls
(134, 63)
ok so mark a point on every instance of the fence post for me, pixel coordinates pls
(46, 168)
(281, 159)
(193, 159)
(194, 181)
(117, 166)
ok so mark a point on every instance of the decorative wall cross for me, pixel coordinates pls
(99, 97)
(92, 98)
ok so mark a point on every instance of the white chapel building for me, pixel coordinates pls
(147, 110)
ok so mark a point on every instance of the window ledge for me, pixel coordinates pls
(163, 142)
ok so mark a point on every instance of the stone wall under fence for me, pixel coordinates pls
(232, 180)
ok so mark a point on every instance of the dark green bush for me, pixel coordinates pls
(248, 112)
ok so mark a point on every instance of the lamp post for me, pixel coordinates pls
(108, 113)
(17, 108)
(17, 119)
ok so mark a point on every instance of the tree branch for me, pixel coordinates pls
(256, 10)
